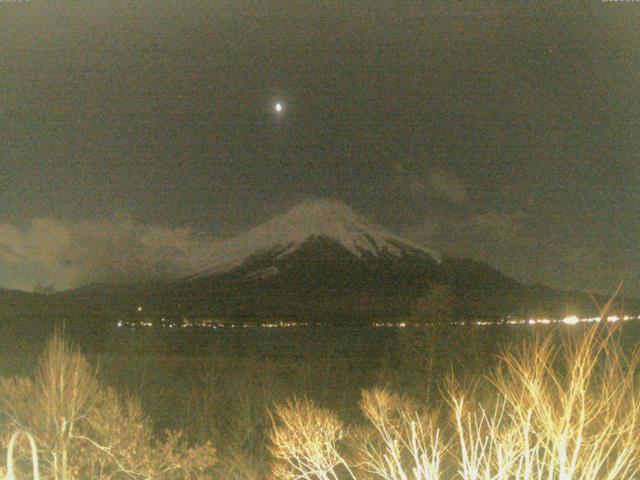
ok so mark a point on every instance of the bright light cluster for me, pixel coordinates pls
(211, 323)
(569, 320)
(572, 320)
(207, 323)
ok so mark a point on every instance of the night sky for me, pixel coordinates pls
(133, 133)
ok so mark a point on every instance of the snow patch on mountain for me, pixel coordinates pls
(284, 234)
(264, 273)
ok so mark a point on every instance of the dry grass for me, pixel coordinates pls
(567, 411)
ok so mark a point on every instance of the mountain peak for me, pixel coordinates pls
(322, 210)
(328, 219)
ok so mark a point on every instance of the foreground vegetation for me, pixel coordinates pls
(562, 405)
(546, 412)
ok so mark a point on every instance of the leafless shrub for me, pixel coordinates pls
(400, 442)
(305, 442)
(84, 430)
(557, 411)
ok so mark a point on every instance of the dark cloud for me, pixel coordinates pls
(508, 242)
(447, 185)
(436, 183)
(494, 225)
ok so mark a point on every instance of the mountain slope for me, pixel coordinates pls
(326, 219)
(318, 260)
(321, 260)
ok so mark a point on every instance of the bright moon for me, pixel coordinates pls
(278, 107)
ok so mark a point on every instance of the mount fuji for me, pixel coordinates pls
(320, 261)
(324, 222)
(323, 261)
(320, 258)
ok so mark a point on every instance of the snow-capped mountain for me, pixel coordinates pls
(320, 261)
(327, 220)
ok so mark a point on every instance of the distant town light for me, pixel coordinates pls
(572, 320)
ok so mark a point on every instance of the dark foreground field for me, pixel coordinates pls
(224, 387)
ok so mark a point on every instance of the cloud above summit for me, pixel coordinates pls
(435, 183)
(447, 185)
